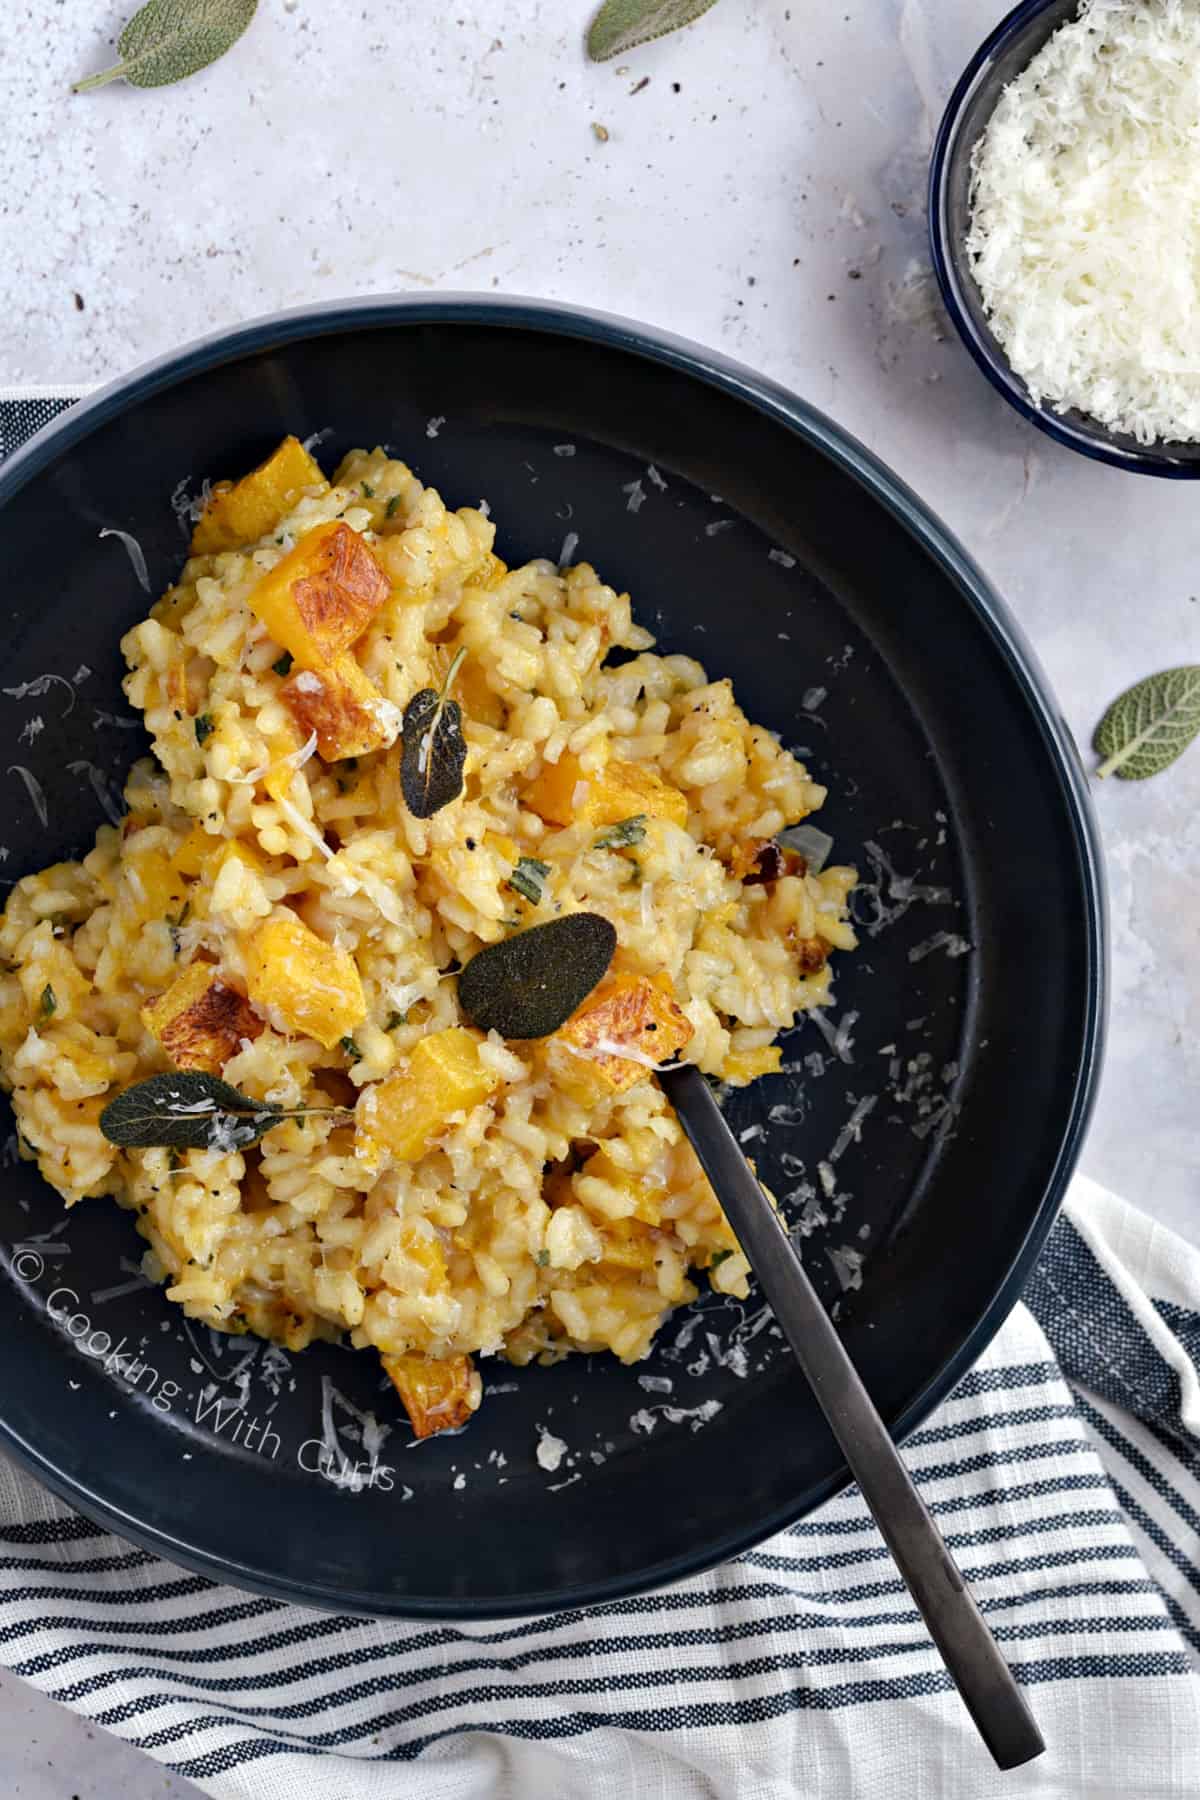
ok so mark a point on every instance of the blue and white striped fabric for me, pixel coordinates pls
(1065, 1471)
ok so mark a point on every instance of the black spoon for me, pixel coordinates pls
(956, 1625)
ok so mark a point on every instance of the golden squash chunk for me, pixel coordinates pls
(646, 1196)
(241, 512)
(153, 888)
(406, 1112)
(321, 597)
(189, 857)
(344, 707)
(633, 1014)
(310, 986)
(564, 795)
(199, 1020)
(202, 853)
(628, 1244)
(477, 699)
(437, 1395)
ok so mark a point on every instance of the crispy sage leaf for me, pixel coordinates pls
(1150, 724)
(190, 1110)
(529, 984)
(186, 1111)
(433, 751)
(167, 40)
(622, 25)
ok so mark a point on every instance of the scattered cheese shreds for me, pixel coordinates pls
(1085, 221)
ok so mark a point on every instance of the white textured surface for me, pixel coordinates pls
(773, 206)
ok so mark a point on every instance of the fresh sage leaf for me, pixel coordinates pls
(191, 1110)
(186, 1111)
(529, 879)
(529, 984)
(621, 835)
(167, 40)
(621, 25)
(1150, 724)
(433, 752)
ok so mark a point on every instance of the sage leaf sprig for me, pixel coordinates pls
(622, 25)
(191, 1110)
(434, 752)
(1150, 724)
(167, 40)
(527, 986)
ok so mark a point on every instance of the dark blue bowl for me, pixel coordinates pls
(850, 622)
(1000, 59)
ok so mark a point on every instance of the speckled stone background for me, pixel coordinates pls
(760, 188)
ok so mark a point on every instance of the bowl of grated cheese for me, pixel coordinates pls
(1064, 213)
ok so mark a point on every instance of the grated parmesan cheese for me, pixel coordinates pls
(1085, 222)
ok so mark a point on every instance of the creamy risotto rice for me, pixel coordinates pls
(273, 911)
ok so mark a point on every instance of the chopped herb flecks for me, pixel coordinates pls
(49, 1001)
(351, 1049)
(529, 879)
(204, 727)
(620, 836)
(284, 665)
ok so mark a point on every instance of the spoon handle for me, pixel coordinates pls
(956, 1625)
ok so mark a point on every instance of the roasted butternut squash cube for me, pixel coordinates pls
(192, 853)
(344, 707)
(320, 598)
(312, 988)
(477, 699)
(419, 1250)
(564, 795)
(626, 1026)
(438, 1395)
(628, 1244)
(241, 512)
(154, 887)
(229, 850)
(645, 1196)
(443, 1075)
(202, 853)
(744, 1066)
(200, 1020)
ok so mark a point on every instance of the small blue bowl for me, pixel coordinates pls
(1000, 59)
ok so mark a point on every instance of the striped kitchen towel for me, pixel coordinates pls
(1064, 1469)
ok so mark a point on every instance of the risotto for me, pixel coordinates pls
(379, 755)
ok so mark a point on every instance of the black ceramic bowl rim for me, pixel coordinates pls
(955, 280)
(885, 489)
